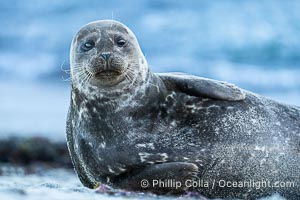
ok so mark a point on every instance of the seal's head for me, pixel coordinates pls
(106, 54)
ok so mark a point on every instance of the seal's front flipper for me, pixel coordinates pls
(160, 178)
(198, 86)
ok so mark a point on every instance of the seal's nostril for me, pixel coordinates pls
(105, 55)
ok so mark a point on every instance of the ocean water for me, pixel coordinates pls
(253, 44)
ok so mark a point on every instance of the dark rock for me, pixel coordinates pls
(27, 151)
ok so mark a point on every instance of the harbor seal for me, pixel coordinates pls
(134, 129)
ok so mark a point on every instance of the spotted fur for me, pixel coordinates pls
(154, 126)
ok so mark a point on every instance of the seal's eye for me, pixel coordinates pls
(88, 45)
(121, 42)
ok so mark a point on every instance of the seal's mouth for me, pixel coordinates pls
(106, 77)
(107, 73)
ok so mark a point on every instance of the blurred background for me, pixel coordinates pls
(252, 43)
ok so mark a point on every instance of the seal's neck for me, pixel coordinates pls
(137, 94)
